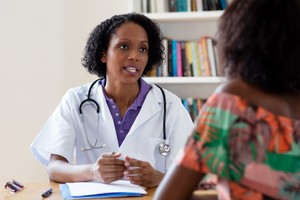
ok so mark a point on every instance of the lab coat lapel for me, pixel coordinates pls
(149, 109)
(106, 116)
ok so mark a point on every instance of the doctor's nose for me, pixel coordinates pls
(134, 55)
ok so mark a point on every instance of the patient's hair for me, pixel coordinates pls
(260, 42)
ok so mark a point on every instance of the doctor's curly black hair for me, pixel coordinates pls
(99, 39)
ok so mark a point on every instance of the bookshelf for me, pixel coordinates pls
(186, 26)
(184, 87)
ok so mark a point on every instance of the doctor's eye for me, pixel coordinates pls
(123, 46)
(144, 49)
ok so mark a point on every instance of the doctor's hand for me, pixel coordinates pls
(109, 168)
(141, 173)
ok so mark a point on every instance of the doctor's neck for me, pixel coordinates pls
(123, 95)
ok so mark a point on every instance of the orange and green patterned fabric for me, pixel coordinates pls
(254, 153)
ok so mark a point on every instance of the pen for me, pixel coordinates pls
(13, 185)
(47, 193)
(17, 183)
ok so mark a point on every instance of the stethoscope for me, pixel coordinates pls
(90, 100)
(163, 148)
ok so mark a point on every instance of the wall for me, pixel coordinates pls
(41, 43)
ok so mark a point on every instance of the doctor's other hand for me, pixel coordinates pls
(141, 173)
(108, 168)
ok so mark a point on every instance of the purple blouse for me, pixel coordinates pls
(123, 125)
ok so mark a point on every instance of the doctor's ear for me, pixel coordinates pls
(103, 58)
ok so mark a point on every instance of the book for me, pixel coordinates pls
(223, 4)
(194, 57)
(189, 5)
(204, 56)
(211, 5)
(138, 6)
(179, 59)
(205, 5)
(197, 57)
(148, 8)
(211, 56)
(174, 57)
(152, 6)
(162, 6)
(193, 5)
(200, 103)
(170, 59)
(185, 104)
(229, 1)
(181, 6)
(194, 109)
(165, 62)
(189, 58)
(144, 5)
(190, 106)
(92, 190)
(185, 64)
(199, 5)
(172, 6)
(218, 5)
(151, 73)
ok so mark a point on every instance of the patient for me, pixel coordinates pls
(248, 132)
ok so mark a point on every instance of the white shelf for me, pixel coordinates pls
(175, 24)
(197, 87)
(178, 17)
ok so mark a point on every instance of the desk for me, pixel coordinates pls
(34, 190)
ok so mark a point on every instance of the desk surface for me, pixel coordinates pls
(34, 191)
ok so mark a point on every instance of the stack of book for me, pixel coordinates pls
(158, 6)
(189, 59)
(193, 106)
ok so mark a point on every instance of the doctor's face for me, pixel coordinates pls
(127, 53)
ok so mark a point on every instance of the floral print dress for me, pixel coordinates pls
(254, 153)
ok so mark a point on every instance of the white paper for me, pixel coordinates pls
(93, 188)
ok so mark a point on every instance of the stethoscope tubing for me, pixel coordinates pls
(90, 99)
(163, 145)
(164, 116)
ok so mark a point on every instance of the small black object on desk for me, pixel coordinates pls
(47, 193)
(13, 185)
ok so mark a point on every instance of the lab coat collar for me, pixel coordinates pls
(150, 108)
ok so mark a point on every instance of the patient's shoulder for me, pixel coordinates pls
(236, 87)
(279, 104)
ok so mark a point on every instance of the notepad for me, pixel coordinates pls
(91, 190)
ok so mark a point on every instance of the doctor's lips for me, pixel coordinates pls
(131, 69)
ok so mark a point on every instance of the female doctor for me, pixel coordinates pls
(118, 127)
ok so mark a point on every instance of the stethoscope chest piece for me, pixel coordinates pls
(164, 149)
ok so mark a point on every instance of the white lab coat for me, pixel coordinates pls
(64, 132)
